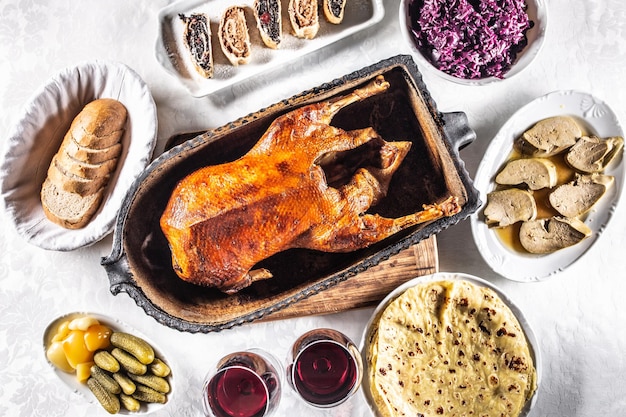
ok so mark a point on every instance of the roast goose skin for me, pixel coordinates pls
(221, 220)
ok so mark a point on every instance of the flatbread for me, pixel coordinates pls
(448, 348)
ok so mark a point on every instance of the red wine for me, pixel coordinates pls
(237, 392)
(324, 373)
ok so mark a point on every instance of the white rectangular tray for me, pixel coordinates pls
(173, 55)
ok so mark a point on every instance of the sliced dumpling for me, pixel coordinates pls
(593, 154)
(580, 195)
(536, 173)
(544, 236)
(549, 136)
(506, 207)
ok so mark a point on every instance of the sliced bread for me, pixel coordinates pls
(100, 124)
(88, 155)
(73, 183)
(83, 169)
(68, 209)
(80, 170)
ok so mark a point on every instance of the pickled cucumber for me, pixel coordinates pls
(105, 380)
(129, 362)
(109, 401)
(127, 384)
(159, 368)
(106, 361)
(134, 345)
(149, 395)
(130, 403)
(155, 382)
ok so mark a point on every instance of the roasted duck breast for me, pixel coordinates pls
(222, 220)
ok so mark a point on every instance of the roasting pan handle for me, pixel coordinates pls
(117, 269)
(457, 128)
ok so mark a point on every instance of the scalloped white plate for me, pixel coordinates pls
(37, 135)
(174, 56)
(597, 118)
(70, 379)
(452, 276)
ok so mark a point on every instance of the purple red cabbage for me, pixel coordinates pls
(470, 39)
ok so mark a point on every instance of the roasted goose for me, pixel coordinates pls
(222, 220)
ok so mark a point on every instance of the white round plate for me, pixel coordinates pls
(597, 118)
(72, 383)
(451, 276)
(537, 12)
(37, 135)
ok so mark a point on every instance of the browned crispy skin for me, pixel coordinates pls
(222, 220)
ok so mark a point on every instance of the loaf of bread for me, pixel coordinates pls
(80, 170)
(304, 18)
(233, 35)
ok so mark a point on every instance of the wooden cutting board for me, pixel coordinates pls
(369, 287)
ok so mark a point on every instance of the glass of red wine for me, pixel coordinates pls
(324, 368)
(243, 384)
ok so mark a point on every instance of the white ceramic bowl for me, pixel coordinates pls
(537, 12)
(450, 276)
(38, 133)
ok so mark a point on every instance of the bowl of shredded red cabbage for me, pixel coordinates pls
(474, 41)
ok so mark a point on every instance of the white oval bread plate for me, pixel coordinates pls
(451, 276)
(596, 117)
(175, 58)
(38, 133)
(69, 379)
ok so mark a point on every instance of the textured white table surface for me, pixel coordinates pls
(578, 315)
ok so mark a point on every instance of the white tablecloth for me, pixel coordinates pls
(578, 315)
